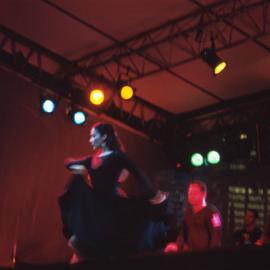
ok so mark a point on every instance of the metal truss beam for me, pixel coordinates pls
(181, 41)
(148, 59)
(42, 67)
(255, 24)
(253, 108)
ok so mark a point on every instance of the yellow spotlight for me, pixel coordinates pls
(216, 63)
(220, 67)
(96, 97)
(126, 92)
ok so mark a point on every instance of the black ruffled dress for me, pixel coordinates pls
(104, 223)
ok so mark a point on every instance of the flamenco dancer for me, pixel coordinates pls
(99, 219)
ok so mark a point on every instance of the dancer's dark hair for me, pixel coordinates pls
(112, 140)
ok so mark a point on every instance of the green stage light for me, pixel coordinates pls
(213, 157)
(196, 160)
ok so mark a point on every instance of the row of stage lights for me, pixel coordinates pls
(241, 141)
(76, 114)
(97, 96)
(197, 160)
(212, 157)
(126, 92)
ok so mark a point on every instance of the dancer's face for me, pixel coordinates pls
(96, 139)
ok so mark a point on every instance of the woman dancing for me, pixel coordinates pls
(98, 219)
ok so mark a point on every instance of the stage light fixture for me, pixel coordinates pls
(196, 160)
(126, 92)
(48, 104)
(96, 97)
(79, 118)
(76, 115)
(216, 63)
(213, 157)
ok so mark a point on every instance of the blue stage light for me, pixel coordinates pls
(48, 105)
(76, 115)
(79, 118)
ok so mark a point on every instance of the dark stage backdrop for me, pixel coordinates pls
(32, 176)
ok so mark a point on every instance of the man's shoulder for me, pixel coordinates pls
(211, 208)
(213, 215)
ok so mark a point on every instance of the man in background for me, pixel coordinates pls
(201, 228)
(250, 234)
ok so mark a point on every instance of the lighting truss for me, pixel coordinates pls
(253, 108)
(175, 43)
(180, 41)
(45, 68)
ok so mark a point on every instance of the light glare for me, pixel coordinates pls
(48, 106)
(96, 97)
